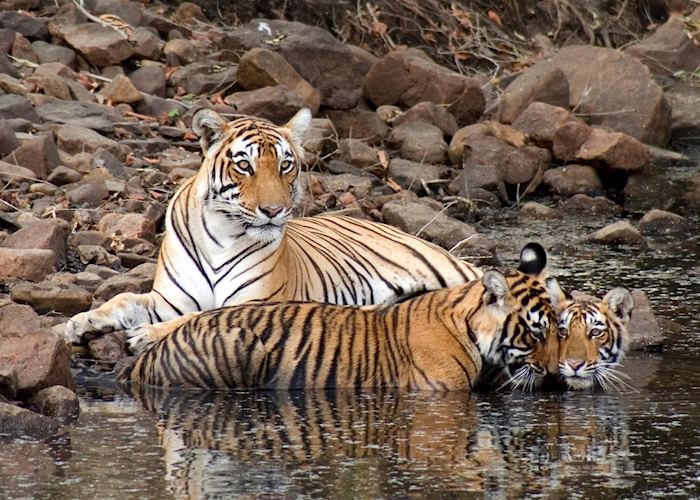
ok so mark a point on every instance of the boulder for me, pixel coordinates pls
(202, 78)
(39, 155)
(74, 139)
(543, 82)
(28, 264)
(180, 51)
(146, 44)
(426, 221)
(644, 329)
(409, 76)
(533, 210)
(58, 402)
(619, 94)
(357, 153)
(128, 226)
(85, 114)
(411, 175)
(48, 296)
(100, 45)
(121, 90)
(541, 121)
(20, 423)
(685, 115)
(569, 138)
(662, 223)
(88, 193)
(16, 106)
(649, 189)
(431, 113)
(618, 233)
(277, 104)
(8, 139)
(63, 175)
(108, 348)
(29, 26)
(322, 60)
(574, 179)
(122, 284)
(42, 235)
(48, 53)
(358, 124)
(582, 204)
(419, 141)
(615, 150)
(149, 79)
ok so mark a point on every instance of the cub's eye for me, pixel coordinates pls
(286, 166)
(563, 332)
(596, 332)
(244, 167)
(537, 334)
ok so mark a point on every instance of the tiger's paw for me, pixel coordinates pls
(141, 338)
(80, 325)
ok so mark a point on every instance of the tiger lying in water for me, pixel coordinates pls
(435, 341)
(592, 338)
(228, 239)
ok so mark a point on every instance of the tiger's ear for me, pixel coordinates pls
(556, 293)
(496, 288)
(207, 124)
(298, 125)
(620, 302)
(533, 259)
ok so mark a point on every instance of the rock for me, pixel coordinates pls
(685, 115)
(644, 330)
(357, 153)
(57, 402)
(478, 176)
(100, 45)
(128, 226)
(28, 264)
(476, 250)
(149, 79)
(358, 124)
(618, 233)
(94, 254)
(48, 53)
(146, 44)
(408, 76)
(47, 296)
(574, 179)
(543, 82)
(389, 113)
(619, 95)
(8, 140)
(23, 341)
(662, 223)
(88, 281)
(89, 193)
(84, 114)
(615, 150)
(411, 175)
(16, 106)
(419, 141)
(260, 67)
(101, 271)
(202, 78)
(121, 89)
(541, 122)
(648, 189)
(74, 139)
(179, 52)
(39, 155)
(323, 61)
(128, 10)
(54, 86)
(427, 222)
(431, 113)
(319, 135)
(22, 49)
(104, 159)
(533, 210)
(20, 423)
(569, 138)
(8, 382)
(340, 167)
(670, 48)
(359, 185)
(43, 235)
(108, 348)
(63, 175)
(277, 104)
(28, 26)
(584, 204)
(13, 85)
(121, 284)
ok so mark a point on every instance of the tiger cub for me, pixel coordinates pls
(593, 338)
(435, 341)
(229, 239)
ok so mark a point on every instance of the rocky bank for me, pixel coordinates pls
(96, 101)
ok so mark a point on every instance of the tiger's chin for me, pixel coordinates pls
(577, 383)
(265, 233)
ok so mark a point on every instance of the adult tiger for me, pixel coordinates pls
(592, 338)
(228, 239)
(434, 341)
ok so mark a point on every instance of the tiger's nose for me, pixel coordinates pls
(576, 364)
(271, 211)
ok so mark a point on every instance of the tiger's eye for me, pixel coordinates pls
(286, 166)
(563, 332)
(596, 332)
(244, 166)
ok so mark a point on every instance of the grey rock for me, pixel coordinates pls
(582, 204)
(411, 175)
(48, 53)
(619, 233)
(84, 114)
(18, 422)
(662, 223)
(149, 79)
(47, 296)
(277, 104)
(29, 26)
(542, 82)
(202, 78)
(574, 179)
(419, 141)
(16, 106)
(58, 402)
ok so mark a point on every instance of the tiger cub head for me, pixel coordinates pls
(593, 338)
(526, 348)
(249, 175)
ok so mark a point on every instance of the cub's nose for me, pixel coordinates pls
(271, 211)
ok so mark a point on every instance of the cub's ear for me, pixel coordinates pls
(207, 124)
(533, 259)
(556, 293)
(496, 288)
(298, 125)
(620, 302)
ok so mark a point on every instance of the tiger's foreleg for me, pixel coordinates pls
(126, 310)
(144, 336)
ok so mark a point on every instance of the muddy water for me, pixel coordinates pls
(632, 444)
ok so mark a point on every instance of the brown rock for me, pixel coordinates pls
(616, 150)
(533, 210)
(409, 77)
(574, 179)
(644, 329)
(28, 264)
(419, 141)
(357, 153)
(149, 79)
(146, 44)
(412, 175)
(662, 223)
(109, 347)
(12, 85)
(128, 226)
(58, 402)
(122, 284)
(94, 254)
(75, 139)
(47, 296)
(100, 45)
(46, 235)
(54, 86)
(8, 140)
(20, 423)
(648, 189)
(277, 104)
(569, 138)
(619, 233)
(543, 82)
(431, 113)
(541, 122)
(121, 89)
(201, 78)
(39, 155)
(619, 94)
(48, 53)
(358, 124)
(180, 51)
(89, 193)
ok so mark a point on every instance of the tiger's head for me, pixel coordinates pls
(593, 338)
(249, 176)
(527, 348)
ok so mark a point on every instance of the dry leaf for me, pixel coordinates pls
(495, 18)
(383, 159)
(392, 184)
(463, 17)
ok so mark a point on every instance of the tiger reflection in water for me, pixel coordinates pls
(323, 443)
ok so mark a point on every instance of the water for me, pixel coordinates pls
(347, 444)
